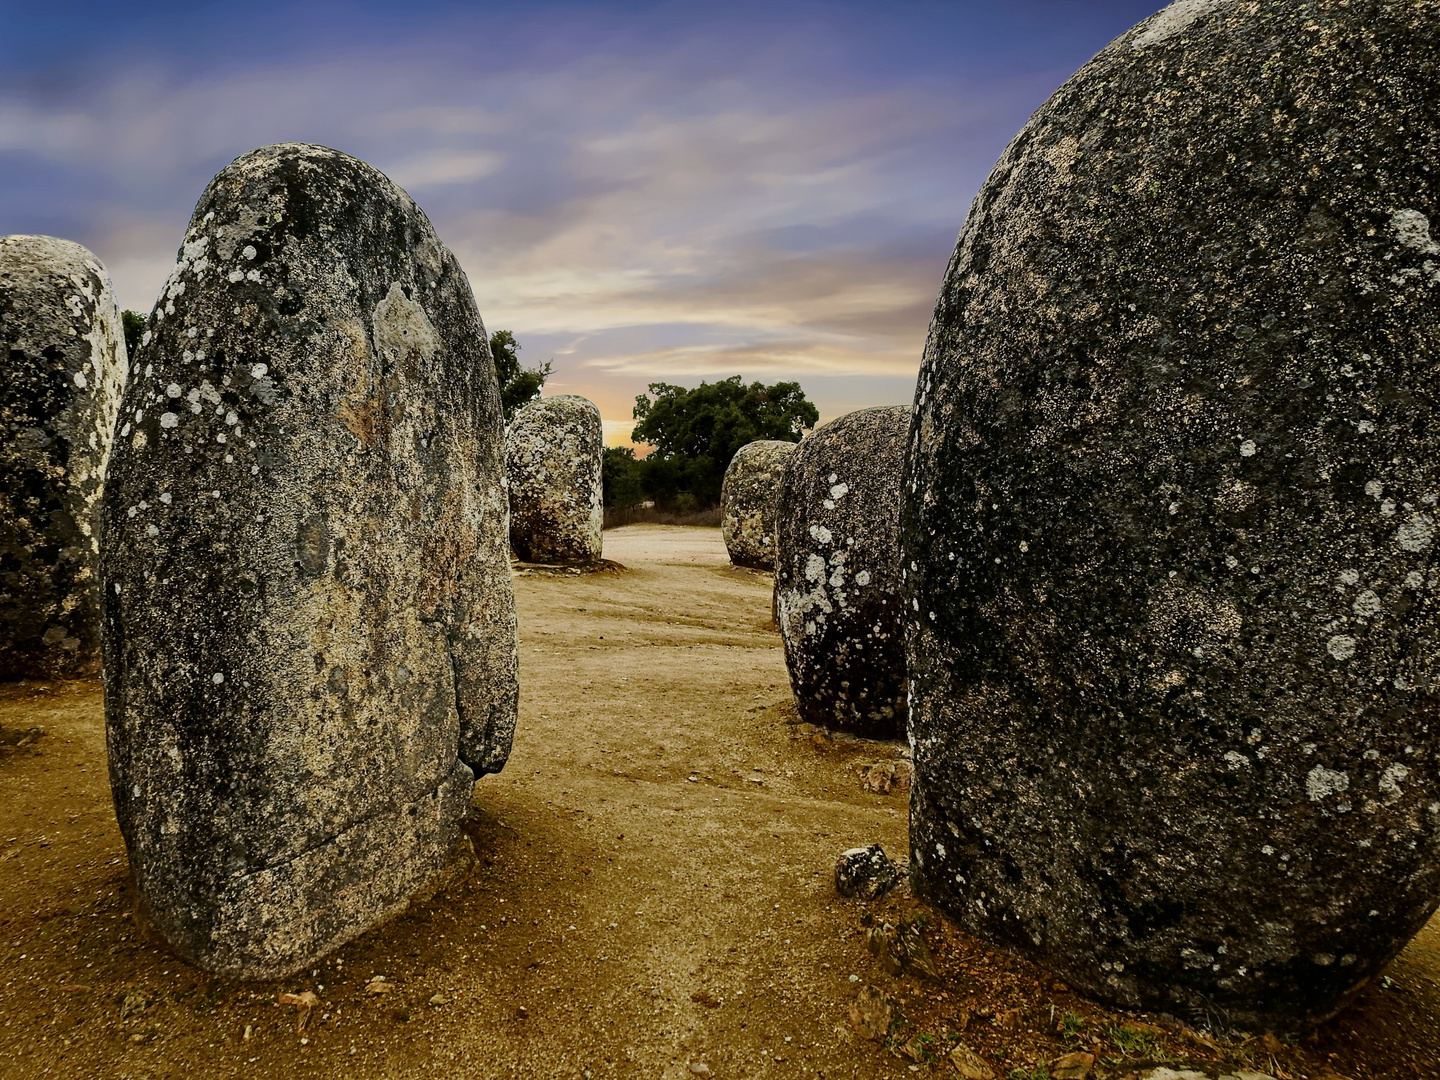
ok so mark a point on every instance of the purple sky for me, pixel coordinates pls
(641, 192)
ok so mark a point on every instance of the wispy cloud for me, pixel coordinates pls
(772, 194)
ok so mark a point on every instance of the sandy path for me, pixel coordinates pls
(654, 892)
(659, 832)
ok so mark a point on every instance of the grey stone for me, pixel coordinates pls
(554, 450)
(749, 495)
(309, 628)
(1169, 518)
(866, 873)
(64, 369)
(837, 565)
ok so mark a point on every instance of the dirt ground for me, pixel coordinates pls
(654, 896)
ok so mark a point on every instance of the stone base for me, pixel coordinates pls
(272, 923)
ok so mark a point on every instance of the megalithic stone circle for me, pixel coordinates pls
(1169, 522)
(749, 495)
(837, 565)
(310, 643)
(63, 355)
(554, 455)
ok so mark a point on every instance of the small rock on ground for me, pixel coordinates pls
(866, 873)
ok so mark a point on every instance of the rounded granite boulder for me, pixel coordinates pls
(63, 353)
(837, 570)
(554, 451)
(1169, 522)
(748, 497)
(309, 629)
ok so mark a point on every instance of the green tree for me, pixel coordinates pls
(696, 432)
(623, 478)
(134, 325)
(517, 385)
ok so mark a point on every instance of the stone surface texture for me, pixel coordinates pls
(865, 872)
(309, 628)
(554, 450)
(748, 497)
(64, 370)
(1169, 522)
(837, 568)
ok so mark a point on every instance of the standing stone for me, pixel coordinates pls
(1171, 500)
(64, 370)
(748, 497)
(310, 645)
(837, 555)
(554, 452)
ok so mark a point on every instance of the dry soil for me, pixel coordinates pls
(653, 897)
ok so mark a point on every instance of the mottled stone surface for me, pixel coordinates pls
(309, 627)
(1169, 519)
(63, 371)
(837, 573)
(865, 872)
(748, 497)
(554, 450)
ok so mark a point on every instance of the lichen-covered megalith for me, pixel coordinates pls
(748, 497)
(309, 628)
(1170, 510)
(554, 453)
(63, 353)
(837, 554)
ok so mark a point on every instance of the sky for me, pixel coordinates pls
(639, 191)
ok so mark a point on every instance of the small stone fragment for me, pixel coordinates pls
(901, 949)
(304, 1003)
(64, 368)
(309, 628)
(1270, 1044)
(749, 495)
(699, 1068)
(886, 776)
(1075, 1066)
(554, 453)
(970, 1065)
(865, 873)
(440, 999)
(837, 573)
(378, 985)
(870, 1014)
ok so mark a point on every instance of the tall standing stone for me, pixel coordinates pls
(749, 495)
(1171, 499)
(64, 370)
(554, 454)
(310, 643)
(837, 567)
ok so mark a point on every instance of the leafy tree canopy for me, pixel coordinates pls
(623, 478)
(517, 385)
(696, 432)
(133, 324)
(716, 419)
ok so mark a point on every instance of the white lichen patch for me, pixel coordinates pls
(1412, 229)
(1320, 782)
(1415, 533)
(1390, 781)
(402, 327)
(1175, 19)
(1341, 646)
(1367, 604)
